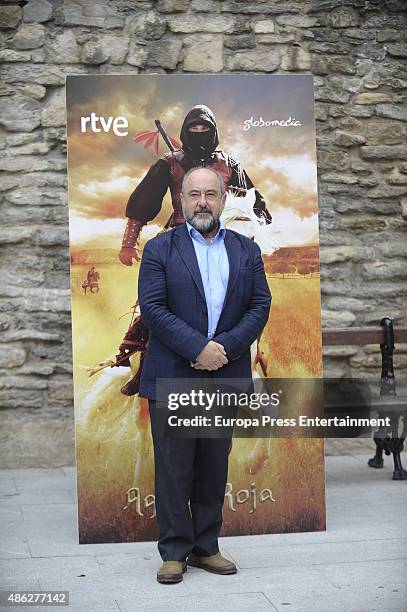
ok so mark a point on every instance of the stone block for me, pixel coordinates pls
(37, 367)
(11, 357)
(30, 90)
(174, 6)
(185, 24)
(345, 17)
(30, 334)
(63, 48)
(23, 382)
(19, 164)
(33, 179)
(264, 7)
(54, 113)
(339, 351)
(94, 52)
(203, 53)
(332, 318)
(147, 25)
(358, 34)
(296, 58)
(118, 47)
(240, 41)
(49, 235)
(9, 16)
(362, 225)
(345, 303)
(336, 254)
(29, 36)
(392, 111)
(10, 55)
(13, 235)
(5, 321)
(359, 111)
(386, 35)
(333, 160)
(344, 139)
(137, 55)
(397, 50)
(60, 390)
(88, 14)
(372, 97)
(396, 178)
(40, 75)
(332, 64)
(385, 132)
(383, 152)
(384, 269)
(274, 39)
(298, 21)
(387, 191)
(37, 11)
(255, 60)
(336, 48)
(165, 53)
(328, 94)
(47, 300)
(25, 398)
(26, 196)
(20, 113)
(351, 124)
(206, 6)
(34, 148)
(263, 26)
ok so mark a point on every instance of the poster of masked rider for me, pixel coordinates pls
(145, 132)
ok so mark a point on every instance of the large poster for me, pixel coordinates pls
(266, 133)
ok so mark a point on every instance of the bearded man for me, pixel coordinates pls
(200, 139)
(204, 297)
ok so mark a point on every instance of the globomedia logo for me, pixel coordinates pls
(260, 122)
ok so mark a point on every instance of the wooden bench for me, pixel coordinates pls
(388, 440)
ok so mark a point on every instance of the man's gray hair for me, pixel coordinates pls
(195, 168)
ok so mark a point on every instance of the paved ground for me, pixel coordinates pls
(358, 565)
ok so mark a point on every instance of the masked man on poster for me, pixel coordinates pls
(199, 138)
(204, 296)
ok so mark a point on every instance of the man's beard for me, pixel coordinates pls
(202, 223)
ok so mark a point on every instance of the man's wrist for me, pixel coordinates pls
(196, 358)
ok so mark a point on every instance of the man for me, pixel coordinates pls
(204, 296)
(92, 280)
(199, 138)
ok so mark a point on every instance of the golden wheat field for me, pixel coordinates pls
(274, 486)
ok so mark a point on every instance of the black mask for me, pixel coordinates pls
(200, 143)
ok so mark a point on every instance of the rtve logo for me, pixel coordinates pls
(118, 125)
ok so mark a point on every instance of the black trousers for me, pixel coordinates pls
(190, 481)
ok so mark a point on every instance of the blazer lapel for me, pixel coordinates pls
(233, 249)
(183, 242)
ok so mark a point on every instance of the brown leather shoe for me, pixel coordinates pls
(215, 564)
(171, 572)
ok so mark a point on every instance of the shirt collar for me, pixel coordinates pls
(195, 234)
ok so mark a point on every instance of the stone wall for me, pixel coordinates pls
(356, 51)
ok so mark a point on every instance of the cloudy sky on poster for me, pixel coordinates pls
(105, 168)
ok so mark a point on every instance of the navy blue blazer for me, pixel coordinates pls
(173, 307)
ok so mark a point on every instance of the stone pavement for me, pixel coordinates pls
(358, 565)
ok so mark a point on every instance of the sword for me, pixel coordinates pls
(164, 135)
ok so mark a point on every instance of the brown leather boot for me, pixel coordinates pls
(215, 564)
(171, 572)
